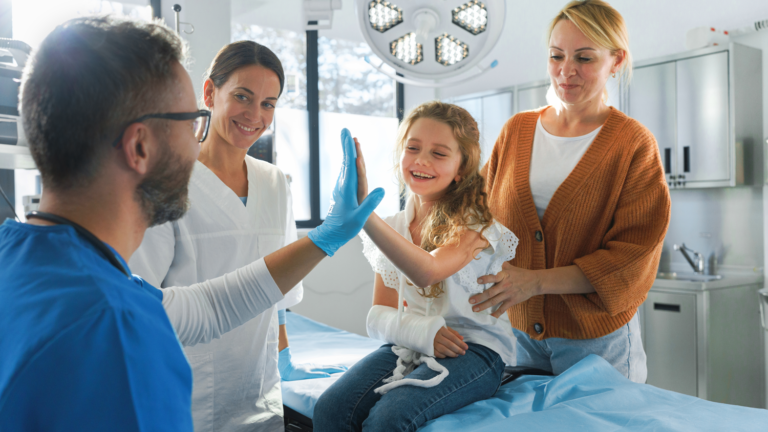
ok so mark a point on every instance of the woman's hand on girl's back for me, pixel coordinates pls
(449, 343)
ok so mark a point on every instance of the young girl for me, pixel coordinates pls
(440, 355)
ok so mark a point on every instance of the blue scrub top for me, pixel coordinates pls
(82, 347)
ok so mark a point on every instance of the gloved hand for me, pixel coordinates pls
(345, 217)
(291, 372)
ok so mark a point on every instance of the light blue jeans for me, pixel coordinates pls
(623, 349)
(350, 404)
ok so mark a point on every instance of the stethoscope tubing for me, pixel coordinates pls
(92, 239)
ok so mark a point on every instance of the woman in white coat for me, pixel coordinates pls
(240, 211)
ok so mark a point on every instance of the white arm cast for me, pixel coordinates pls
(206, 310)
(413, 331)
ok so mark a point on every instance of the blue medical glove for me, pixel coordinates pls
(345, 217)
(291, 372)
(281, 317)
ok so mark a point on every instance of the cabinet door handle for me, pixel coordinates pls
(686, 159)
(667, 160)
(666, 307)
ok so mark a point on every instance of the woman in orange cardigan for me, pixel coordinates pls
(582, 186)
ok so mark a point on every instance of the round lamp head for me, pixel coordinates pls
(431, 40)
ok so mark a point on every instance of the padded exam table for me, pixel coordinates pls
(590, 396)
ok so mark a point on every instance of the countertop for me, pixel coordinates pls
(728, 281)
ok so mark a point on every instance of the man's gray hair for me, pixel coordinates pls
(88, 79)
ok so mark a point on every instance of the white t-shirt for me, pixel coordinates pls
(552, 160)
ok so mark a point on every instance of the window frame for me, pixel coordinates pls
(313, 111)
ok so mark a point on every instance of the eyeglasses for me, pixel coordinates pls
(202, 121)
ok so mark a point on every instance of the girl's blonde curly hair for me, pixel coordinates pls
(465, 203)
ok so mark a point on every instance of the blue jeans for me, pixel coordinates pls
(350, 404)
(623, 349)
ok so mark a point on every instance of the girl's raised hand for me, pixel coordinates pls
(449, 343)
(362, 178)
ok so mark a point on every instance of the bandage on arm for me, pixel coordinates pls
(412, 331)
(206, 310)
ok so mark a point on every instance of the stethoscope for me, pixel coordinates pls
(92, 239)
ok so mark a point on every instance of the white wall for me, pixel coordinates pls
(656, 27)
(213, 23)
(339, 291)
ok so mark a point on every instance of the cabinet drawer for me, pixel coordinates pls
(670, 341)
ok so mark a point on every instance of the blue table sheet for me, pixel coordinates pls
(590, 396)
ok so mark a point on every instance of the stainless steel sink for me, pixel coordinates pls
(694, 277)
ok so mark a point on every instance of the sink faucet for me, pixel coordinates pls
(697, 262)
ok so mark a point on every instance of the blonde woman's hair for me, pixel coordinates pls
(465, 204)
(603, 25)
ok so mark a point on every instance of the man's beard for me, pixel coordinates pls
(163, 195)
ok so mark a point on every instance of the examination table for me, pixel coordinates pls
(590, 396)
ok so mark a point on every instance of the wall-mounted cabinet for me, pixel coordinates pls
(491, 111)
(493, 108)
(531, 96)
(705, 109)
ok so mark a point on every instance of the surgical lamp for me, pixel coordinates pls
(431, 43)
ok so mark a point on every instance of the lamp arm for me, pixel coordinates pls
(475, 71)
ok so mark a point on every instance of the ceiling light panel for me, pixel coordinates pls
(472, 17)
(384, 15)
(449, 50)
(406, 49)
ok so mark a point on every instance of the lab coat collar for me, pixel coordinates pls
(221, 195)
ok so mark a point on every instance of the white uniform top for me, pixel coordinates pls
(236, 380)
(552, 160)
(453, 305)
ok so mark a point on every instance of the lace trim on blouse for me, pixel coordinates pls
(503, 244)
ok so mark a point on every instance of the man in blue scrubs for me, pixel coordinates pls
(84, 345)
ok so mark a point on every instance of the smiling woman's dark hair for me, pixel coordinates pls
(241, 54)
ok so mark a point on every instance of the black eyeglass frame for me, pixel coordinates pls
(171, 116)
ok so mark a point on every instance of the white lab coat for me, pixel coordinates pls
(236, 379)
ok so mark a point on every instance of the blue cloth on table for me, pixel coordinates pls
(591, 395)
(82, 346)
(313, 342)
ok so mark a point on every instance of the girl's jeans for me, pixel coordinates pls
(350, 404)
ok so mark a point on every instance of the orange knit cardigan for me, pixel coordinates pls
(609, 217)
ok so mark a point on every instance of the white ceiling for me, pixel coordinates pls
(657, 27)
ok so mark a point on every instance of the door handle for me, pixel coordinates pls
(686, 159)
(666, 307)
(763, 294)
(667, 160)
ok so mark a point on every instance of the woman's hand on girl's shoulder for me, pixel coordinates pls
(449, 343)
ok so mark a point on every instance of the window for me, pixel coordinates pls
(356, 96)
(351, 94)
(291, 124)
(34, 19)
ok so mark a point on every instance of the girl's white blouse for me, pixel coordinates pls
(453, 305)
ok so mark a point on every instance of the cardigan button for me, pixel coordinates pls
(539, 236)
(539, 328)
